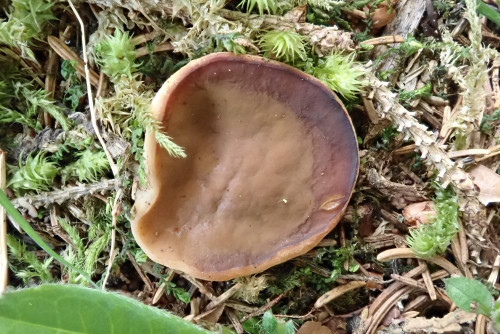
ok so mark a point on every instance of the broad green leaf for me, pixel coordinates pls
(465, 292)
(71, 309)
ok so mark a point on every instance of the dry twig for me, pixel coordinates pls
(64, 194)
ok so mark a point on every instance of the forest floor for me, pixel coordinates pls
(419, 79)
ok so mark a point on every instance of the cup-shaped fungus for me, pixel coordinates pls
(271, 163)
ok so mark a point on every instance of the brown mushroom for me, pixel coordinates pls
(271, 163)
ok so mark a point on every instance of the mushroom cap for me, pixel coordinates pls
(272, 160)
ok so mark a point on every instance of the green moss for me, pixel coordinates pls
(287, 45)
(37, 174)
(407, 96)
(431, 239)
(116, 55)
(26, 21)
(25, 264)
(341, 73)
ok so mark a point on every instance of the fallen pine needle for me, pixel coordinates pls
(337, 292)
(407, 253)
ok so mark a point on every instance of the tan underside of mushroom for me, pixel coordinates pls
(248, 195)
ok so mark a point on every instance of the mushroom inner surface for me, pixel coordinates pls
(271, 162)
(246, 183)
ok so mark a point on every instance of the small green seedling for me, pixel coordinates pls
(473, 296)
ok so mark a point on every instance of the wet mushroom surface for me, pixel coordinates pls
(271, 163)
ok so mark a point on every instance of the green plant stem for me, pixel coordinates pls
(490, 13)
(12, 211)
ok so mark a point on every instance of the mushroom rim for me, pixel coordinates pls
(151, 192)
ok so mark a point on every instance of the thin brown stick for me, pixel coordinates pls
(416, 303)
(405, 149)
(384, 308)
(141, 39)
(144, 51)
(145, 279)
(262, 309)
(50, 82)
(409, 281)
(4, 261)
(426, 276)
(161, 289)
(464, 250)
(223, 297)
(391, 289)
(240, 307)
(302, 317)
(67, 54)
(102, 86)
(392, 39)
(370, 109)
(234, 320)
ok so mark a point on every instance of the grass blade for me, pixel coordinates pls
(18, 218)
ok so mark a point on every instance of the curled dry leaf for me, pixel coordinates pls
(488, 183)
(419, 213)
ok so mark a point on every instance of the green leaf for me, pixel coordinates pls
(465, 292)
(251, 326)
(72, 309)
(18, 218)
(177, 292)
(489, 12)
(68, 70)
(269, 323)
(495, 315)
